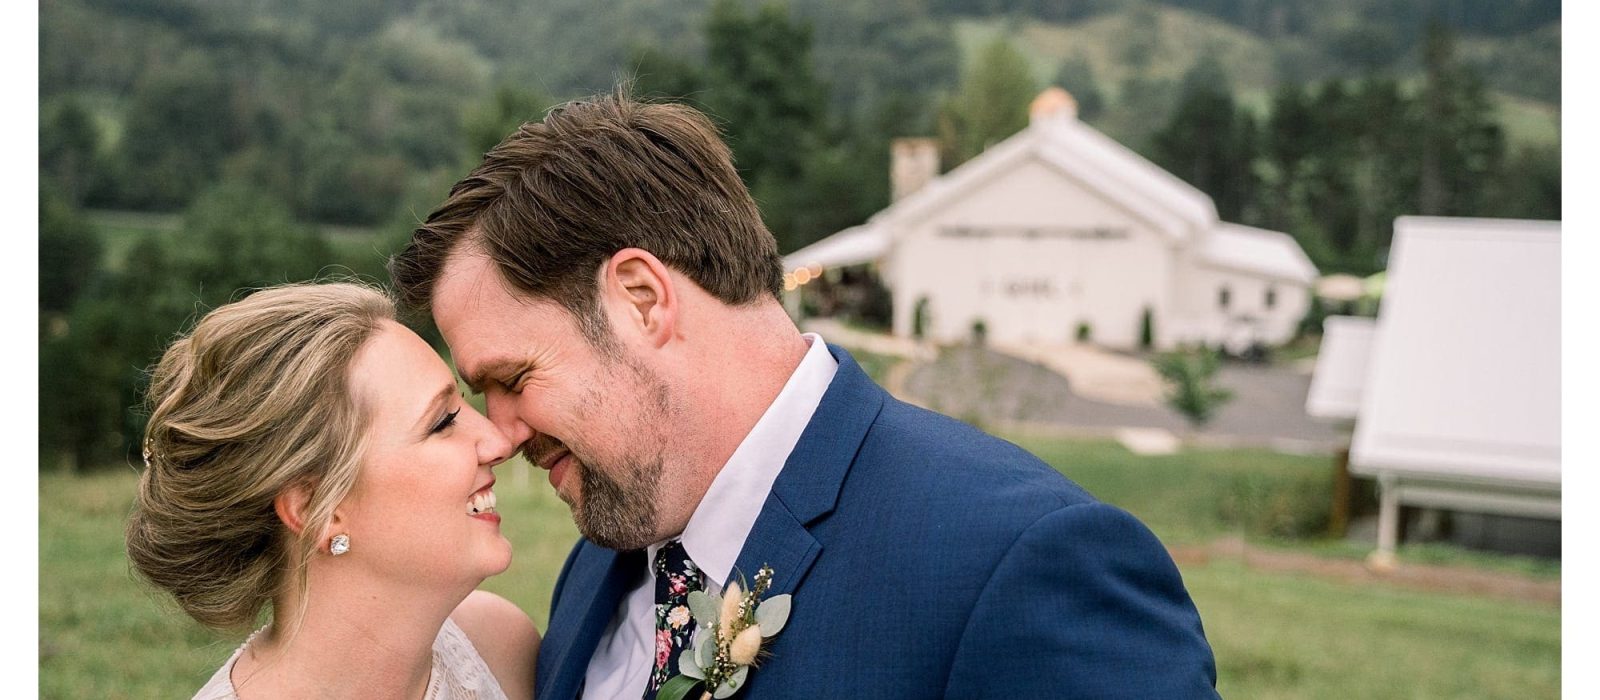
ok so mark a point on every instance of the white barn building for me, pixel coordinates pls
(1059, 230)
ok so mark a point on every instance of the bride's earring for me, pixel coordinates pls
(339, 545)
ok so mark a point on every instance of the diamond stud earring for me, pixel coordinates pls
(339, 545)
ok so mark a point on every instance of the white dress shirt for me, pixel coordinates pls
(717, 530)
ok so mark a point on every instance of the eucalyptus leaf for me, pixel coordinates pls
(733, 684)
(704, 608)
(773, 613)
(676, 688)
(689, 666)
(705, 649)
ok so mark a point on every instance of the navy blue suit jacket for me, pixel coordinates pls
(928, 559)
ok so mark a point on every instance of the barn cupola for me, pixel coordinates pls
(1054, 104)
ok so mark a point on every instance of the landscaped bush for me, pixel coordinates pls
(1288, 504)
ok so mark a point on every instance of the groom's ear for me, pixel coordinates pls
(637, 283)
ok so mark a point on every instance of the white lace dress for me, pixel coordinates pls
(459, 673)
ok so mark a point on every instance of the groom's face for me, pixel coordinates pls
(597, 423)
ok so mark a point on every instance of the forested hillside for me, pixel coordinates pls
(261, 126)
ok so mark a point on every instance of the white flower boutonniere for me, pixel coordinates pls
(731, 634)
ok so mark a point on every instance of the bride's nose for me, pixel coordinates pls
(493, 446)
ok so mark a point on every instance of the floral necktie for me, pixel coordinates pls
(675, 577)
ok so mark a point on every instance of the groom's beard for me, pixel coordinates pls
(617, 504)
(617, 513)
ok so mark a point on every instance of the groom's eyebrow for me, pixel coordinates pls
(475, 378)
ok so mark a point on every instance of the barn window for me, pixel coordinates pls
(1272, 297)
(1224, 295)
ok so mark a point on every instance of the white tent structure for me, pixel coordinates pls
(1341, 369)
(1460, 408)
(1060, 229)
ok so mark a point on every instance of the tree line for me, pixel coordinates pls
(251, 121)
(1335, 162)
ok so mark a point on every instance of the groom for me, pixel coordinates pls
(605, 281)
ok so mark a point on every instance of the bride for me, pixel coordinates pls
(309, 456)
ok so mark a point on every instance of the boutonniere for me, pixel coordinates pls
(732, 631)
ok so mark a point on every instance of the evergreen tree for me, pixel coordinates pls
(92, 367)
(1143, 106)
(1291, 137)
(772, 107)
(888, 50)
(180, 126)
(1463, 147)
(763, 88)
(658, 74)
(69, 253)
(1210, 142)
(69, 150)
(990, 103)
(235, 236)
(1076, 76)
(505, 112)
(1387, 127)
(1530, 187)
(1328, 185)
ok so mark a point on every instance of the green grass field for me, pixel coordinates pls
(1203, 494)
(103, 634)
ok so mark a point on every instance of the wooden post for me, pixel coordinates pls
(1339, 513)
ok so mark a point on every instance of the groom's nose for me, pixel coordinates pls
(502, 409)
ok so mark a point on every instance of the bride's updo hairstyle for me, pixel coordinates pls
(255, 399)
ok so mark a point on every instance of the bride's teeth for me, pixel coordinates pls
(481, 503)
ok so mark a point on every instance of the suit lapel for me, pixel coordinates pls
(808, 487)
(597, 583)
(805, 491)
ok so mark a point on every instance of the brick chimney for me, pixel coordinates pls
(913, 163)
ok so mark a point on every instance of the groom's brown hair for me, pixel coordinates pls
(558, 197)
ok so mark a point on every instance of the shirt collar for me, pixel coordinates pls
(716, 532)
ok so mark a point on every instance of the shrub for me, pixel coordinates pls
(1190, 376)
(1288, 504)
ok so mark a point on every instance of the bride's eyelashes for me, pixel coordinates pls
(445, 422)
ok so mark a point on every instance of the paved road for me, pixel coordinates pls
(1268, 407)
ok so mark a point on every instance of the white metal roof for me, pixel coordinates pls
(1259, 251)
(1175, 207)
(1342, 364)
(1106, 157)
(852, 246)
(1180, 211)
(1465, 382)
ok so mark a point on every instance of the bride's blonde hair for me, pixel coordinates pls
(254, 400)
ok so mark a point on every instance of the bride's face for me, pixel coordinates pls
(420, 510)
